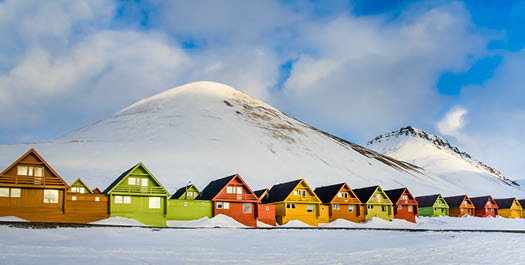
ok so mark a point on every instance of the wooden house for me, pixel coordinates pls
(509, 208)
(376, 202)
(138, 195)
(84, 206)
(30, 189)
(97, 191)
(341, 202)
(295, 200)
(432, 205)
(484, 206)
(459, 206)
(266, 211)
(182, 205)
(405, 205)
(231, 196)
(522, 203)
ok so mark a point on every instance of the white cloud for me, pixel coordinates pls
(453, 121)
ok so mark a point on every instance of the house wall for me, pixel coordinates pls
(461, 211)
(236, 212)
(266, 214)
(85, 209)
(404, 212)
(324, 213)
(358, 215)
(139, 210)
(377, 209)
(510, 213)
(30, 206)
(188, 209)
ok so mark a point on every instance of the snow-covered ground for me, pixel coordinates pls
(109, 245)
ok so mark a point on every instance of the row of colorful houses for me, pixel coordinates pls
(30, 189)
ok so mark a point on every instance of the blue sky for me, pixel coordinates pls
(353, 68)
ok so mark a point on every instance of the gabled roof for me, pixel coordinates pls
(395, 194)
(281, 191)
(259, 193)
(81, 183)
(364, 194)
(327, 193)
(97, 191)
(455, 201)
(427, 201)
(214, 187)
(522, 203)
(480, 202)
(505, 203)
(129, 171)
(182, 190)
(35, 153)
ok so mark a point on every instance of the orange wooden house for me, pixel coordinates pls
(459, 206)
(485, 206)
(405, 205)
(341, 202)
(231, 196)
(30, 189)
(266, 212)
(84, 206)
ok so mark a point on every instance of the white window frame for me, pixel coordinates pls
(296, 192)
(340, 194)
(239, 190)
(336, 206)
(51, 200)
(74, 198)
(97, 199)
(400, 207)
(17, 193)
(81, 190)
(22, 171)
(219, 205)
(117, 199)
(126, 199)
(247, 207)
(4, 192)
(351, 208)
(383, 208)
(229, 189)
(185, 204)
(144, 180)
(308, 206)
(39, 169)
(410, 208)
(154, 202)
(370, 206)
(132, 181)
(267, 208)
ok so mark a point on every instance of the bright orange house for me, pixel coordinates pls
(460, 205)
(342, 203)
(405, 205)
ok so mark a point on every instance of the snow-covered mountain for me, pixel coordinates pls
(438, 157)
(204, 130)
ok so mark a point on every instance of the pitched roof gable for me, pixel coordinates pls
(427, 201)
(395, 194)
(128, 172)
(182, 190)
(327, 193)
(480, 202)
(259, 193)
(455, 201)
(214, 187)
(364, 194)
(81, 183)
(35, 153)
(505, 203)
(97, 191)
(281, 191)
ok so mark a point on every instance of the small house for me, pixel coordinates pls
(84, 206)
(341, 202)
(405, 205)
(459, 206)
(30, 189)
(138, 195)
(182, 205)
(522, 203)
(376, 202)
(266, 211)
(484, 206)
(432, 205)
(295, 200)
(231, 196)
(509, 208)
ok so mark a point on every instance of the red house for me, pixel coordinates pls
(485, 206)
(231, 196)
(405, 205)
(266, 212)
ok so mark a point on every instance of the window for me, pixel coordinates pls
(74, 198)
(336, 206)
(383, 208)
(4, 192)
(370, 206)
(74, 189)
(239, 190)
(309, 208)
(144, 182)
(97, 199)
(340, 194)
(185, 204)
(400, 207)
(290, 205)
(351, 208)
(345, 195)
(127, 200)
(81, 190)
(226, 205)
(246, 207)
(442, 210)
(492, 210)
(15, 193)
(295, 192)
(219, 205)
(132, 181)
(229, 189)
(304, 193)
(189, 193)
(154, 202)
(404, 197)
(378, 196)
(22, 171)
(50, 196)
(39, 171)
(118, 199)
(267, 208)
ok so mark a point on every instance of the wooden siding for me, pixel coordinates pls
(515, 211)
(266, 214)
(406, 209)
(188, 209)
(380, 207)
(86, 208)
(342, 211)
(301, 213)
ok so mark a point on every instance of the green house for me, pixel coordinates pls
(183, 206)
(432, 205)
(138, 195)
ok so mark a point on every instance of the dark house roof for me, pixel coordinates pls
(522, 203)
(279, 192)
(504, 203)
(480, 202)
(395, 194)
(427, 201)
(116, 181)
(327, 193)
(455, 201)
(258, 193)
(97, 191)
(180, 192)
(364, 194)
(214, 188)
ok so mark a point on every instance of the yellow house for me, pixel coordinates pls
(509, 208)
(376, 203)
(522, 203)
(295, 200)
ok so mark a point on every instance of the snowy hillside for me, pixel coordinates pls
(204, 130)
(437, 156)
